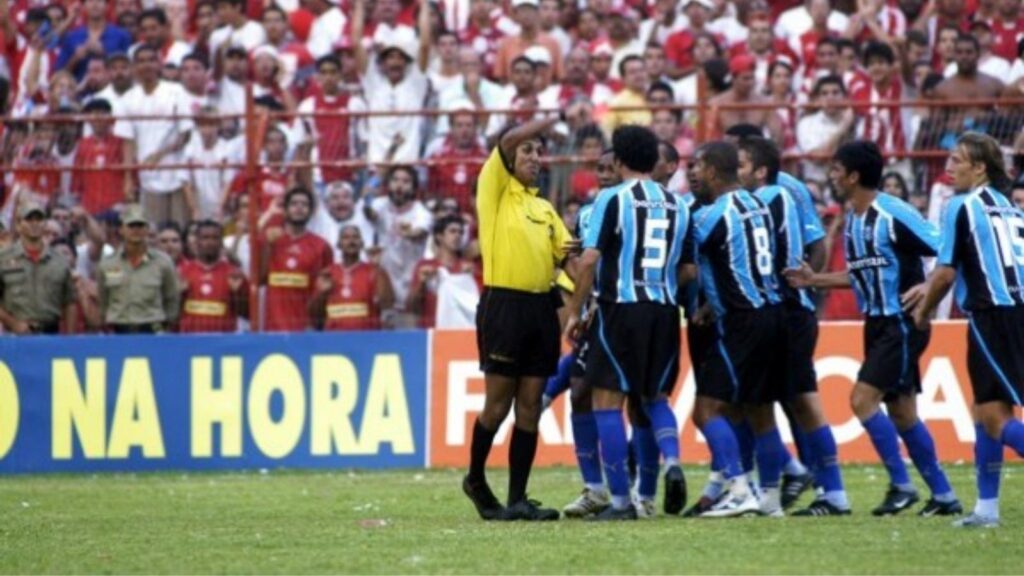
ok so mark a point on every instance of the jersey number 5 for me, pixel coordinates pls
(1010, 234)
(655, 245)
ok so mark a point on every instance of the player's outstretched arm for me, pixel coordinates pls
(806, 277)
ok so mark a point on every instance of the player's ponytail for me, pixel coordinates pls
(982, 148)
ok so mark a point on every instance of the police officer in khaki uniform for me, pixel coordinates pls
(138, 285)
(36, 290)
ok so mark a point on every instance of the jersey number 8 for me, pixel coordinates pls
(762, 251)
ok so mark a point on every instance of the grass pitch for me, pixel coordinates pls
(418, 521)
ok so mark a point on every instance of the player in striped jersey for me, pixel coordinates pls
(760, 160)
(733, 235)
(634, 255)
(795, 478)
(982, 250)
(885, 240)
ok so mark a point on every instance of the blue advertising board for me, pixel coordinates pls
(311, 400)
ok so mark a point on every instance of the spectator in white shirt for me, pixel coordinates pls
(155, 31)
(195, 80)
(472, 86)
(236, 30)
(231, 86)
(151, 142)
(208, 178)
(794, 22)
(119, 70)
(821, 133)
(401, 224)
(338, 210)
(327, 29)
(550, 10)
(395, 81)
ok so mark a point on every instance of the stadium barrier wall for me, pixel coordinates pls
(365, 400)
(97, 403)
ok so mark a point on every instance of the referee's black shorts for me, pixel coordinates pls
(634, 348)
(892, 351)
(801, 336)
(995, 354)
(747, 364)
(517, 333)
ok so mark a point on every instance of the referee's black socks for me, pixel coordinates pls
(478, 452)
(520, 460)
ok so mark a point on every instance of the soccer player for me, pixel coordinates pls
(982, 250)
(637, 234)
(886, 239)
(594, 498)
(760, 162)
(522, 240)
(795, 478)
(733, 236)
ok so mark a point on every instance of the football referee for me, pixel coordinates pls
(522, 242)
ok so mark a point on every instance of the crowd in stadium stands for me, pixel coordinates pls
(345, 245)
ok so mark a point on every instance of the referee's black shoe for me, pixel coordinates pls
(896, 501)
(528, 510)
(675, 490)
(487, 505)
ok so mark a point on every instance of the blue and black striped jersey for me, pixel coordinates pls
(983, 238)
(810, 223)
(736, 253)
(641, 231)
(789, 239)
(884, 247)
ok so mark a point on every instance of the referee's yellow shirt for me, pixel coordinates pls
(522, 238)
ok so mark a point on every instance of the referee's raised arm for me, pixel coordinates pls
(522, 240)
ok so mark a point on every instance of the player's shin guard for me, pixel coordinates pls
(922, 452)
(584, 433)
(724, 447)
(521, 452)
(1013, 436)
(745, 442)
(666, 430)
(647, 455)
(883, 436)
(770, 453)
(559, 383)
(612, 433)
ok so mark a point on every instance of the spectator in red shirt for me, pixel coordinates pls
(422, 300)
(882, 125)
(679, 46)
(331, 133)
(215, 293)
(589, 145)
(458, 156)
(1007, 29)
(171, 241)
(40, 182)
(351, 294)
(99, 190)
(290, 261)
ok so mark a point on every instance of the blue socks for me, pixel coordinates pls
(825, 459)
(922, 452)
(612, 433)
(1013, 436)
(745, 440)
(771, 454)
(584, 432)
(559, 383)
(988, 463)
(665, 429)
(887, 445)
(647, 454)
(724, 447)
